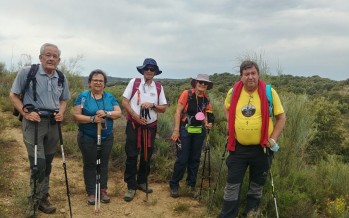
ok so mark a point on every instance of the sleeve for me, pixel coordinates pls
(78, 100)
(114, 102)
(209, 112)
(183, 98)
(228, 99)
(19, 82)
(162, 98)
(278, 108)
(128, 91)
(209, 108)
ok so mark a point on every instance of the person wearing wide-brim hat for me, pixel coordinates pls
(151, 63)
(141, 95)
(193, 116)
(202, 78)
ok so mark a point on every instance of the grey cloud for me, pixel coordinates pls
(185, 37)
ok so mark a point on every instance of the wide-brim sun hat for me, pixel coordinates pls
(151, 62)
(202, 77)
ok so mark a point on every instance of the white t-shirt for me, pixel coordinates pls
(147, 93)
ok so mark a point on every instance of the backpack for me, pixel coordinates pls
(190, 97)
(269, 97)
(136, 84)
(31, 77)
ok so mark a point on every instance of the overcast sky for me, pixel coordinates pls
(186, 37)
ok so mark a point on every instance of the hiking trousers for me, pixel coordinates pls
(132, 175)
(46, 148)
(244, 156)
(188, 158)
(88, 148)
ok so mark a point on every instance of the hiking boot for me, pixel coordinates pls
(193, 192)
(130, 194)
(45, 205)
(104, 196)
(91, 200)
(29, 213)
(174, 192)
(144, 189)
(253, 214)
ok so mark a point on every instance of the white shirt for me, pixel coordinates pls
(147, 93)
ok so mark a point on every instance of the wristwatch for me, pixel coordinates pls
(108, 113)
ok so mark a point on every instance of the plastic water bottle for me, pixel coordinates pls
(273, 145)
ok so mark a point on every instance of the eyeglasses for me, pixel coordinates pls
(149, 68)
(48, 55)
(203, 82)
(97, 81)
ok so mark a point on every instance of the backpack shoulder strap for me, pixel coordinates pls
(31, 78)
(208, 98)
(190, 95)
(158, 89)
(60, 78)
(270, 99)
(231, 94)
(135, 87)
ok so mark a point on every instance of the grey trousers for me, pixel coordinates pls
(46, 148)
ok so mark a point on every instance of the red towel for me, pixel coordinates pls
(232, 111)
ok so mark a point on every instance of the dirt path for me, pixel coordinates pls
(159, 203)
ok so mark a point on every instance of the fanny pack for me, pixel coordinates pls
(194, 129)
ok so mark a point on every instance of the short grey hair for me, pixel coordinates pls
(42, 49)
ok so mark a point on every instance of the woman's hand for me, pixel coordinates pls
(208, 125)
(101, 113)
(175, 135)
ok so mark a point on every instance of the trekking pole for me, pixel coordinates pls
(207, 154)
(35, 167)
(145, 150)
(144, 114)
(64, 166)
(272, 183)
(98, 170)
(217, 180)
(209, 161)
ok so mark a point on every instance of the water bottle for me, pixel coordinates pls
(273, 145)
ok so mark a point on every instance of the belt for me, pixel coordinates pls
(45, 114)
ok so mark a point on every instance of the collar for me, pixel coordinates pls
(43, 73)
(143, 82)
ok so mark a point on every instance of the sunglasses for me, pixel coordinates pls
(203, 82)
(149, 68)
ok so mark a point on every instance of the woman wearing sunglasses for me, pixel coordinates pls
(193, 116)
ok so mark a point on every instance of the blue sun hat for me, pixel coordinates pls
(149, 61)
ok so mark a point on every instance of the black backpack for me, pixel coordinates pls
(31, 77)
